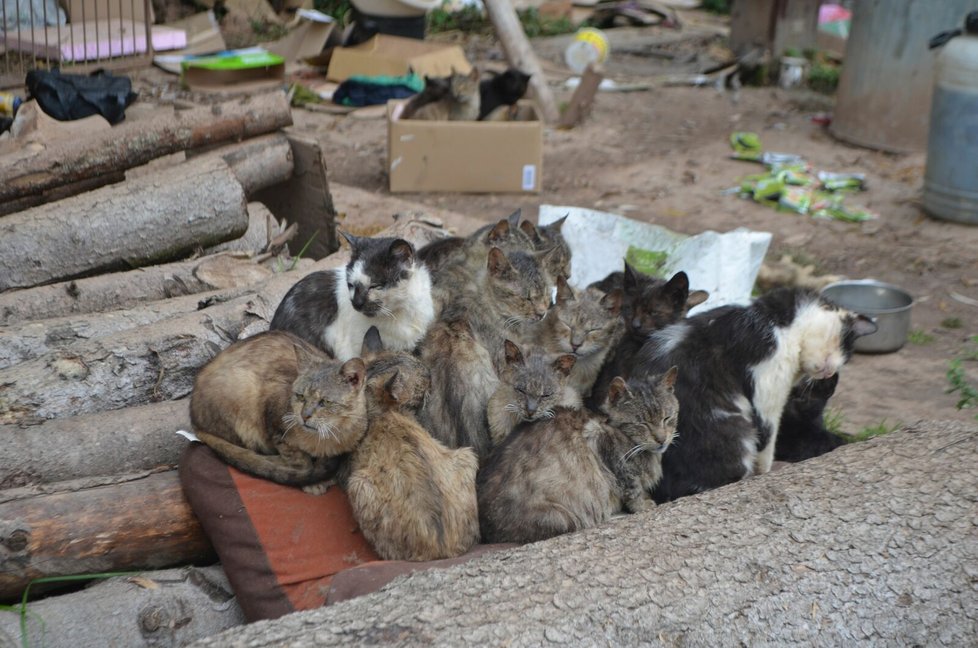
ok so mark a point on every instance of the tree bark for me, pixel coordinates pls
(128, 440)
(136, 142)
(520, 54)
(151, 219)
(129, 522)
(871, 544)
(155, 608)
(154, 363)
(258, 163)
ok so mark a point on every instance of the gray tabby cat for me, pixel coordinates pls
(579, 468)
(460, 103)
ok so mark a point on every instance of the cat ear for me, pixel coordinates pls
(351, 240)
(353, 371)
(696, 298)
(372, 344)
(499, 232)
(531, 230)
(514, 218)
(556, 225)
(631, 278)
(669, 378)
(612, 301)
(616, 389)
(474, 74)
(564, 292)
(395, 386)
(862, 325)
(401, 251)
(497, 263)
(513, 354)
(676, 289)
(565, 363)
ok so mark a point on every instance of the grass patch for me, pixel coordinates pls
(473, 20)
(871, 431)
(717, 6)
(919, 337)
(952, 323)
(833, 418)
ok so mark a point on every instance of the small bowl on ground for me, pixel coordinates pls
(888, 305)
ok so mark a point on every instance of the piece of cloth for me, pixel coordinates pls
(376, 90)
(73, 96)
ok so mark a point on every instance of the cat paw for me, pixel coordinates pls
(641, 505)
(318, 489)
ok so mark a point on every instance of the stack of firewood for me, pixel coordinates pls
(116, 285)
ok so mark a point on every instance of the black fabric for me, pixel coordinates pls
(359, 92)
(366, 26)
(68, 97)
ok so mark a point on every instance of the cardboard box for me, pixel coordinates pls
(468, 156)
(233, 68)
(395, 56)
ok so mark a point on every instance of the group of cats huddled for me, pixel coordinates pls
(468, 96)
(465, 392)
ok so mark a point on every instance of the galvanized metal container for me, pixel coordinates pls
(884, 96)
(888, 305)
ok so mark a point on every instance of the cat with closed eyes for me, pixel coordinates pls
(503, 89)
(550, 237)
(413, 498)
(276, 407)
(464, 348)
(737, 366)
(460, 103)
(586, 325)
(531, 386)
(383, 285)
(577, 469)
(648, 304)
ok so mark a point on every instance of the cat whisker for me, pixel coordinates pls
(632, 452)
(547, 414)
(388, 312)
(512, 408)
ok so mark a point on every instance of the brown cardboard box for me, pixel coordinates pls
(395, 56)
(472, 156)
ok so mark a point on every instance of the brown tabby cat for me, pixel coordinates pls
(464, 348)
(274, 406)
(587, 325)
(549, 237)
(434, 89)
(460, 103)
(413, 498)
(577, 469)
(530, 387)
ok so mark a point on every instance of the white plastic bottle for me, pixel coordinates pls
(951, 177)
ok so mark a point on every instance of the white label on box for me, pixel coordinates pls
(529, 177)
(396, 162)
(407, 138)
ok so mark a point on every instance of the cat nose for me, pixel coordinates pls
(531, 406)
(359, 297)
(636, 323)
(306, 413)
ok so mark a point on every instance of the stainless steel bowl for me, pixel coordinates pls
(887, 304)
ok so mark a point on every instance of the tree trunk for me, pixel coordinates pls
(59, 193)
(258, 163)
(520, 54)
(871, 544)
(151, 219)
(139, 521)
(136, 142)
(93, 445)
(156, 608)
(153, 363)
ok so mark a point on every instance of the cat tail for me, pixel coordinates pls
(276, 468)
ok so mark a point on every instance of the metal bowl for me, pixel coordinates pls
(887, 304)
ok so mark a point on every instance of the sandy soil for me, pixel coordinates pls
(662, 156)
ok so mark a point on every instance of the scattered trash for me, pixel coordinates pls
(790, 183)
(793, 70)
(590, 46)
(360, 90)
(609, 85)
(9, 103)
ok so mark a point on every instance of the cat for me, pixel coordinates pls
(549, 237)
(648, 304)
(460, 103)
(587, 326)
(530, 387)
(434, 89)
(503, 89)
(413, 498)
(395, 379)
(276, 407)
(464, 348)
(737, 366)
(384, 284)
(802, 433)
(579, 468)
(472, 249)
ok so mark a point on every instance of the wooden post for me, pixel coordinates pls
(520, 54)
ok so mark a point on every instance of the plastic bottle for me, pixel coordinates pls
(9, 103)
(951, 176)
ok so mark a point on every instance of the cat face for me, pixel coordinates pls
(465, 87)
(537, 382)
(645, 410)
(826, 334)
(518, 285)
(549, 237)
(328, 402)
(652, 304)
(395, 380)
(583, 326)
(377, 274)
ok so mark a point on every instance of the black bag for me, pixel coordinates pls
(73, 96)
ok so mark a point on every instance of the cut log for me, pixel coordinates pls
(105, 443)
(131, 224)
(59, 193)
(155, 608)
(129, 522)
(520, 54)
(871, 544)
(154, 363)
(258, 163)
(136, 142)
(262, 228)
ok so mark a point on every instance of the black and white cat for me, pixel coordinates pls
(383, 285)
(737, 366)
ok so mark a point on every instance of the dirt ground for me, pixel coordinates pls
(662, 156)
